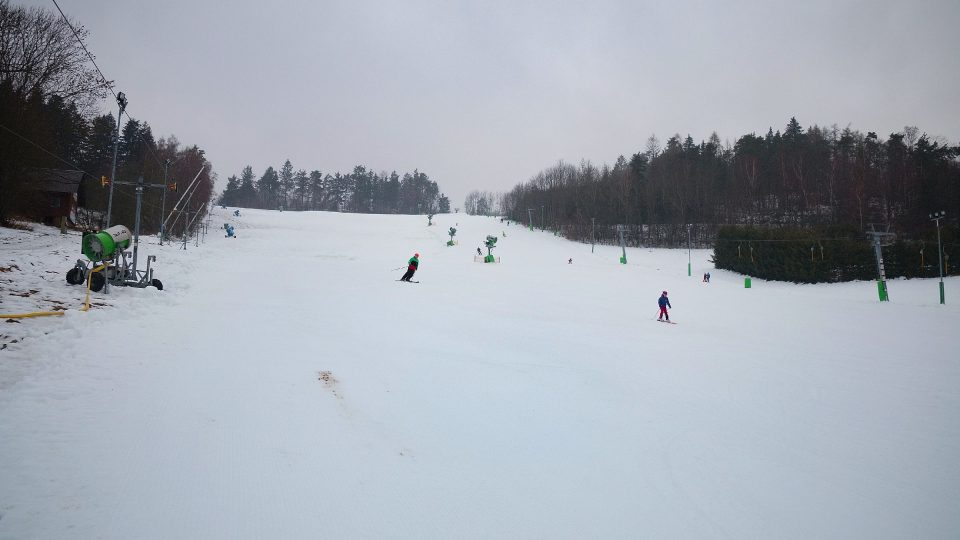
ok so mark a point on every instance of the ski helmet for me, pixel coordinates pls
(664, 292)
(416, 254)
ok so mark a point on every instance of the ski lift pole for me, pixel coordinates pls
(593, 232)
(177, 219)
(186, 206)
(878, 253)
(136, 227)
(176, 206)
(623, 245)
(937, 216)
(195, 216)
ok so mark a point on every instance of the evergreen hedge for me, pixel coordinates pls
(828, 254)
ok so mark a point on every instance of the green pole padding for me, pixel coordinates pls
(943, 299)
(747, 283)
(882, 291)
(623, 260)
(689, 271)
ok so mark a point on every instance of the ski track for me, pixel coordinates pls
(283, 385)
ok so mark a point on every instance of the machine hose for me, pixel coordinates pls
(86, 305)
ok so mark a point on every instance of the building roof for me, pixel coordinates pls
(54, 180)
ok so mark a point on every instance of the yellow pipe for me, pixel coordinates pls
(28, 315)
(86, 306)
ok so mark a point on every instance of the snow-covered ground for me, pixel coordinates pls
(284, 385)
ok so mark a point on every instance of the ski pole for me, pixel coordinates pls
(398, 268)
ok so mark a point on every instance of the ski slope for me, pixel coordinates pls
(284, 385)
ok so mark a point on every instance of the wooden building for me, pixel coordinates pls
(50, 195)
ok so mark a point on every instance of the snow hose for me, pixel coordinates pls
(29, 315)
(86, 306)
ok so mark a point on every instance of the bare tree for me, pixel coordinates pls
(39, 53)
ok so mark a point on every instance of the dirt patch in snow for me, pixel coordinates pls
(329, 381)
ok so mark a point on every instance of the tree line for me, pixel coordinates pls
(800, 178)
(360, 191)
(829, 254)
(481, 203)
(48, 119)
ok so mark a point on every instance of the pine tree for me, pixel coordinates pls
(231, 194)
(285, 184)
(247, 196)
(268, 189)
(316, 190)
(301, 184)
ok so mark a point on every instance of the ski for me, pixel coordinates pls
(409, 281)
(668, 322)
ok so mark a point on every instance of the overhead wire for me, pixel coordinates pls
(103, 77)
(44, 149)
(117, 189)
(80, 41)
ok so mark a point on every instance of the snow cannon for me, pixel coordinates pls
(490, 243)
(106, 250)
(106, 244)
(452, 232)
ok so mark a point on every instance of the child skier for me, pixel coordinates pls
(664, 303)
(412, 266)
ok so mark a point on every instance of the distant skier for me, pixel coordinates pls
(570, 260)
(412, 266)
(479, 253)
(664, 303)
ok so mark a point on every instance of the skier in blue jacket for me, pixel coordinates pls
(664, 303)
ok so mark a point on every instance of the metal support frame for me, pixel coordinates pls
(192, 185)
(593, 233)
(163, 202)
(936, 217)
(119, 271)
(136, 224)
(122, 102)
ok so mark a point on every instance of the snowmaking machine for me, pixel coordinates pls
(490, 244)
(107, 249)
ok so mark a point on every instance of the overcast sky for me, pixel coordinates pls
(483, 95)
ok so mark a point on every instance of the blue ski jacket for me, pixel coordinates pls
(664, 301)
